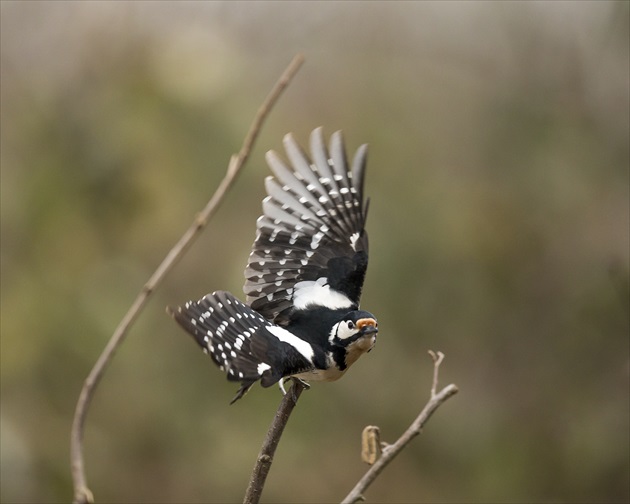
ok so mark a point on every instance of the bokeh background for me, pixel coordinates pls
(498, 177)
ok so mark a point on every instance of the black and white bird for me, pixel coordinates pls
(303, 278)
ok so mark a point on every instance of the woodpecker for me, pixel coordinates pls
(304, 276)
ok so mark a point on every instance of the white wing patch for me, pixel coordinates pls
(353, 240)
(318, 292)
(262, 367)
(288, 337)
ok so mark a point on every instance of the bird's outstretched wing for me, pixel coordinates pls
(311, 247)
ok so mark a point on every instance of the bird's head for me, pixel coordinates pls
(356, 332)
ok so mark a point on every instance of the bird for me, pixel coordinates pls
(301, 319)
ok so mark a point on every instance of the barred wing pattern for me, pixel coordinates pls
(243, 343)
(311, 247)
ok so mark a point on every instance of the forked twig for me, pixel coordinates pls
(390, 451)
(265, 457)
(437, 360)
(82, 493)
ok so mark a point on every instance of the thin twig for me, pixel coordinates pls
(437, 360)
(82, 493)
(265, 457)
(390, 451)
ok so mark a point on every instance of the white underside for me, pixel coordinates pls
(330, 374)
(355, 350)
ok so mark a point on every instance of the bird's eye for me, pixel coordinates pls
(350, 325)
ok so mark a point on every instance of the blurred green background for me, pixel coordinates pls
(498, 177)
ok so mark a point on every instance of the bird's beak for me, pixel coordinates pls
(367, 325)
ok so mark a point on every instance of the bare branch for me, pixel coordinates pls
(265, 457)
(390, 451)
(82, 493)
(437, 360)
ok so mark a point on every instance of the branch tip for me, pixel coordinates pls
(437, 360)
(437, 357)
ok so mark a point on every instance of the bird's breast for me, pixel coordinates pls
(357, 348)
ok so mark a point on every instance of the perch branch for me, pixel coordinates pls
(82, 493)
(265, 457)
(390, 451)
